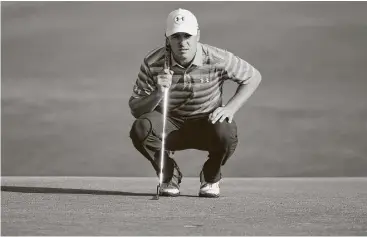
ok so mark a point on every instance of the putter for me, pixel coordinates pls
(165, 105)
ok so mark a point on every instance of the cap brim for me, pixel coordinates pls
(182, 30)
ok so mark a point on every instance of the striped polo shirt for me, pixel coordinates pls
(197, 90)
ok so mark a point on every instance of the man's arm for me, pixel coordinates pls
(145, 97)
(142, 105)
(243, 92)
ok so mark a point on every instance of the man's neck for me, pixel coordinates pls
(186, 64)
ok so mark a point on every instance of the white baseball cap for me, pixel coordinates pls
(181, 20)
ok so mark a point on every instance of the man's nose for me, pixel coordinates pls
(181, 41)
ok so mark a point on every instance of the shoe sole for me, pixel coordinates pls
(208, 195)
(170, 194)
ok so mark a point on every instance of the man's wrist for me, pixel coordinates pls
(231, 106)
(159, 91)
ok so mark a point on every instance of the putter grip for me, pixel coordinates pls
(167, 55)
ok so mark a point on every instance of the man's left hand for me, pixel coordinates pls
(221, 114)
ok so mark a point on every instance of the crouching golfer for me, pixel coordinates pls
(196, 118)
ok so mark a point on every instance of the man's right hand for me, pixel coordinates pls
(164, 79)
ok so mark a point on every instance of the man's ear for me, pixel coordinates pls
(198, 35)
(167, 41)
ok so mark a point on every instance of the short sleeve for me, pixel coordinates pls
(237, 69)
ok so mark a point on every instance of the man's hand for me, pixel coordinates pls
(221, 114)
(164, 79)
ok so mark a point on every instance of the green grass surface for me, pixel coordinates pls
(123, 206)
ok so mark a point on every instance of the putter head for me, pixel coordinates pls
(158, 192)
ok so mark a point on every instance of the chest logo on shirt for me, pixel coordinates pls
(204, 79)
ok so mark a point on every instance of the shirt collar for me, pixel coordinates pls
(198, 59)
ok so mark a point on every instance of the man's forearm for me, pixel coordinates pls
(243, 92)
(140, 106)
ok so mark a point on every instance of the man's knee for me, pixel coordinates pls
(140, 129)
(145, 125)
(225, 140)
(225, 134)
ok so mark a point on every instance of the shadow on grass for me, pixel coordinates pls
(23, 189)
(20, 189)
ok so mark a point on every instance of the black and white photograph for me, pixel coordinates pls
(183, 118)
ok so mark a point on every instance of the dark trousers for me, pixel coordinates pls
(219, 139)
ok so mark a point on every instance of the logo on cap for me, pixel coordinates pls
(179, 19)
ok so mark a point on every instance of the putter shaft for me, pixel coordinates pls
(165, 104)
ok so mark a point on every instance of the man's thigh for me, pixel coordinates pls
(199, 134)
(156, 120)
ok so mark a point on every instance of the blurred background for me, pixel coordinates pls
(68, 69)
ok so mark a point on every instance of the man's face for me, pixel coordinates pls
(183, 46)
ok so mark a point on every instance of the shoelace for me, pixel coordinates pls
(210, 185)
(170, 184)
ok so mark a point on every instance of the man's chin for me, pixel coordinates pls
(182, 56)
